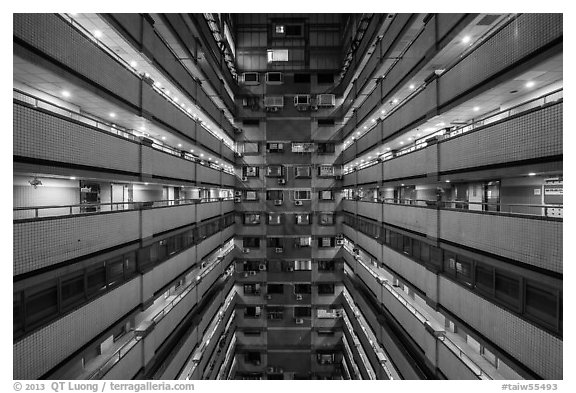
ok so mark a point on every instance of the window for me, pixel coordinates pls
(436, 256)
(251, 218)
(275, 288)
(302, 312)
(17, 314)
(72, 290)
(301, 78)
(326, 266)
(303, 265)
(507, 289)
(41, 303)
(250, 171)
(130, 258)
(325, 170)
(302, 195)
(251, 289)
(326, 289)
(326, 148)
(325, 195)
(251, 147)
(275, 218)
(274, 171)
(302, 219)
(406, 245)
(96, 280)
(250, 266)
(542, 303)
(275, 242)
(449, 263)
(302, 171)
(326, 218)
(326, 242)
(280, 29)
(252, 311)
(252, 358)
(485, 278)
(325, 358)
(251, 242)
(277, 55)
(273, 195)
(294, 30)
(464, 270)
(325, 78)
(303, 242)
(298, 147)
(302, 289)
(416, 248)
(275, 312)
(251, 196)
(275, 147)
(115, 269)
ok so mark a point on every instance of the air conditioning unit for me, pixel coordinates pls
(339, 314)
(268, 297)
(245, 274)
(298, 297)
(273, 103)
(298, 203)
(238, 193)
(299, 321)
(262, 266)
(290, 268)
(274, 78)
(339, 242)
(237, 130)
(325, 100)
(244, 178)
(277, 202)
(237, 199)
(251, 78)
(245, 250)
(252, 272)
(270, 369)
(279, 250)
(281, 181)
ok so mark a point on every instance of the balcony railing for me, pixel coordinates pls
(514, 209)
(545, 99)
(22, 213)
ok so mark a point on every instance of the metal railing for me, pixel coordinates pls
(21, 213)
(520, 209)
(441, 335)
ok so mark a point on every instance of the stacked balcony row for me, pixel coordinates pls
(67, 48)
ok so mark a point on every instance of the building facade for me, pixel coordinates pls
(288, 196)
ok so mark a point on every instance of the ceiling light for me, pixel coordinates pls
(145, 184)
(476, 108)
(72, 178)
(382, 111)
(163, 138)
(417, 134)
(65, 93)
(369, 158)
(210, 158)
(387, 148)
(531, 174)
(402, 184)
(365, 127)
(97, 33)
(191, 150)
(373, 120)
(216, 162)
(401, 142)
(176, 99)
(530, 84)
(133, 64)
(201, 154)
(440, 124)
(112, 114)
(179, 145)
(447, 181)
(157, 84)
(395, 101)
(466, 39)
(147, 75)
(410, 138)
(412, 87)
(189, 110)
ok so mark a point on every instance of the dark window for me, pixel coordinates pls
(273, 195)
(302, 312)
(252, 311)
(251, 122)
(436, 256)
(17, 314)
(41, 304)
(302, 288)
(294, 30)
(251, 242)
(115, 269)
(276, 288)
(407, 245)
(301, 78)
(275, 242)
(130, 264)
(326, 266)
(325, 78)
(251, 289)
(449, 264)
(542, 304)
(464, 270)
(96, 280)
(485, 278)
(424, 252)
(325, 122)
(507, 289)
(252, 357)
(72, 290)
(325, 289)
(416, 249)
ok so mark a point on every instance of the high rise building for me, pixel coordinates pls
(287, 196)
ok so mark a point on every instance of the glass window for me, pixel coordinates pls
(275, 218)
(273, 195)
(327, 265)
(251, 289)
(302, 171)
(436, 256)
(41, 303)
(507, 289)
(304, 242)
(251, 196)
(302, 288)
(17, 313)
(302, 312)
(129, 264)
(274, 170)
(72, 290)
(275, 242)
(485, 278)
(251, 242)
(115, 269)
(253, 311)
(303, 195)
(416, 249)
(326, 170)
(326, 219)
(325, 289)
(277, 55)
(275, 288)
(542, 303)
(406, 245)
(96, 280)
(302, 219)
(251, 218)
(325, 195)
(325, 242)
(464, 270)
(303, 265)
(449, 262)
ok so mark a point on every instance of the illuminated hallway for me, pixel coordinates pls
(303, 196)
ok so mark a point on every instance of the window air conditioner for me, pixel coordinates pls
(299, 321)
(238, 193)
(237, 199)
(326, 100)
(278, 202)
(244, 178)
(268, 297)
(281, 181)
(339, 242)
(279, 250)
(273, 103)
(298, 203)
(251, 78)
(298, 297)
(252, 272)
(245, 250)
(274, 78)
(290, 268)
(262, 266)
(302, 100)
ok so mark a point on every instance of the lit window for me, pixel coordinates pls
(280, 29)
(277, 55)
